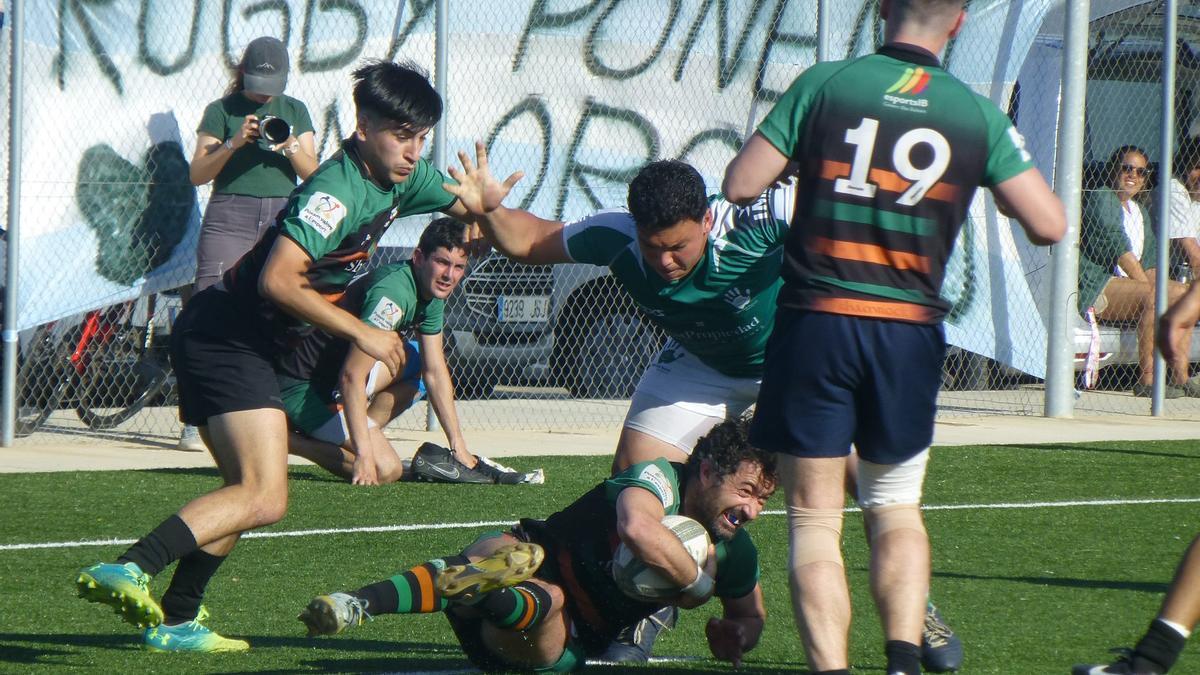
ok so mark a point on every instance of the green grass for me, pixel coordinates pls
(1030, 590)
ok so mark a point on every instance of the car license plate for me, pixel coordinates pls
(526, 308)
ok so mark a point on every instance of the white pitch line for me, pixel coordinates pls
(500, 523)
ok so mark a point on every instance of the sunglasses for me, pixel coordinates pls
(1139, 171)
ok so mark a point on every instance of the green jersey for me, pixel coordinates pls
(385, 298)
(584, 539)
(723, 310)
(337, 217)
(252, 170)
(891, 149)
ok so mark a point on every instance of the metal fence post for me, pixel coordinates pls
(1167, 144)
(1068, 183)
(823, 38)
(8, 391)
(440, 131)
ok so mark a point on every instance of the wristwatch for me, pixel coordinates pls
(292, 149)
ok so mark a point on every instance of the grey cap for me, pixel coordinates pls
(265, 67)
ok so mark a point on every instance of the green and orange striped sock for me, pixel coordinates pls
(519, 607)
(411, 592)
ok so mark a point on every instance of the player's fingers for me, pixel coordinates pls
(481, 155)
(512, 180)
(467, 165)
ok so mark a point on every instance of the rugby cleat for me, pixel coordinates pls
(190, 636)
(636, 643)
(506, 566)
(1127, 663)
(436, 464)
(941, 649)
(333, 613)
(125, 588)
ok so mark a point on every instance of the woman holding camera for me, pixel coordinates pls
(252, 144)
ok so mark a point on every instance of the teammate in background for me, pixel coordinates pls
(338, 394)
(707, 273)
(251, 181)
(889, 149)
(542, 596)
(225, 341)
(1167, 635)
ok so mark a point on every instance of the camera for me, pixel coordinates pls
(272, 130)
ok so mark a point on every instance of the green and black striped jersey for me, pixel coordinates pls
(891, 149)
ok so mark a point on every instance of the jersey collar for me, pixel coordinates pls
(902, 51)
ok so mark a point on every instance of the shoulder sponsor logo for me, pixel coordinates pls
(322, 213)
(655, 477)
(386, 315)
(903, 93)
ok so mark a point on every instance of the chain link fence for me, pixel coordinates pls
(579, 96)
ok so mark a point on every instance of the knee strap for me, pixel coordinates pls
(816, 535)
(894, 517)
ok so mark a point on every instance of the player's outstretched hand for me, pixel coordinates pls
(477, 190)
(726, 640)
(384, 345)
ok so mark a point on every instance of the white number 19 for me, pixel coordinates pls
(863, 140)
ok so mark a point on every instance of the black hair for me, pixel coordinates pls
(725, 447)
(1118, 157)
(397, 92)
(664, 193)
(1186, 157)
(444, 232)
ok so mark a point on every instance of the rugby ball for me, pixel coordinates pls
(639, 581)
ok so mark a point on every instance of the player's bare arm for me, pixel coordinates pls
(1028, 198)
(284, 283)
(516, 233)
(1175, 323)
(737, 631)
(756, 166)
(639, 524)
(439, 387)
(353, 386)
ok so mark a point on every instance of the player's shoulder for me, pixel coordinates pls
(617, 220)
(658, 475)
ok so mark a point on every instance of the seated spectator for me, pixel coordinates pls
(1183, 199)
(1117, 266)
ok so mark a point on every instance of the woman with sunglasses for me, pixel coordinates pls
(1117, 265)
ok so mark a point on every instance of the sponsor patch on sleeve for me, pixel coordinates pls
(662, 485)
(322, 213)
(386, 315)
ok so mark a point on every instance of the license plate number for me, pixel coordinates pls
(523, 308)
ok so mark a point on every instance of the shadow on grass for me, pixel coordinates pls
(1139, 586)
(1119, 451)
(294, 473)
(23, 653)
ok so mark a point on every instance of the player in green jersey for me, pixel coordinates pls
(542, 596)
(225, 342)
(889, 149)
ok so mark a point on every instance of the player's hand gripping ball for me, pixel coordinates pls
(640, 582)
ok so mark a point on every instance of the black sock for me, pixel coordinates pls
(165, 544)
(1160, 646)
(902, 657)
(411, 592)
(182, 600)
(519, 607)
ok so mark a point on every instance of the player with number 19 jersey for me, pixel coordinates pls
(891, 148)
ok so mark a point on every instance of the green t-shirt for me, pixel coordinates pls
(253, 171)
(337, 217)
(891, 149)
(385, 298)
(724, 309)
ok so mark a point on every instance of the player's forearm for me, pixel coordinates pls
(440, 390)
(352, 386)
(658, 547)
(514, 232)
(292, 293)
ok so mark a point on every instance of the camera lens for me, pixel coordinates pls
(274, 129)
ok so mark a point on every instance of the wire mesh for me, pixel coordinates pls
(579, 98)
